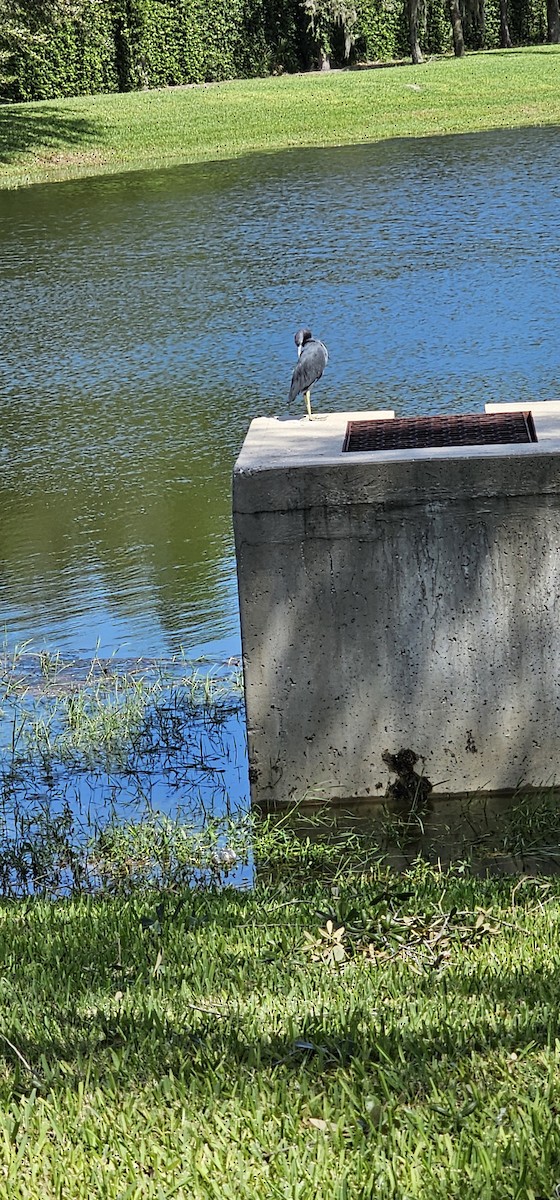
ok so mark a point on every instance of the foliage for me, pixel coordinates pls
(68, 48)
(53, 48)
(383, 30)
(16, 42)
(92, 758)
(527, 21)
(323, 16)
(75, 47)
(436, 35)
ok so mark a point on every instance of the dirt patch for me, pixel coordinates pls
(70, 158)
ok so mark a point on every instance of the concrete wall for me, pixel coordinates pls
(403, 599)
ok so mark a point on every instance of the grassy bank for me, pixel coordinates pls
(381, 1037)
(336, 1031)
(105, 134)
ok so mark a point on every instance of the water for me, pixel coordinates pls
(90, 756)
(147, 318)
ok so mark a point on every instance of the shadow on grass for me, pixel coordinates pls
(129, 1009)
(201, 1046)
(29, 128)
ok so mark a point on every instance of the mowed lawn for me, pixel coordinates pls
(385, 1036)
(139, 130)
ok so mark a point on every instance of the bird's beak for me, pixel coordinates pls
(299, 349)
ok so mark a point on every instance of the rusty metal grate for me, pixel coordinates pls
(416, 433)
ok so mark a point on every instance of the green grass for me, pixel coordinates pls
(338, 1031)
(55, 713)
(111, 133)
(222, 1050)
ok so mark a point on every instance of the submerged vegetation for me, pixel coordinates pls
(120, 776)
(104, 754)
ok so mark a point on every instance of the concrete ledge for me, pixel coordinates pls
(273, 442)
(316, 473)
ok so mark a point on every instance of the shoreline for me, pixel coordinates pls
(115, 133)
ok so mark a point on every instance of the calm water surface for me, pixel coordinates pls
(147, 318)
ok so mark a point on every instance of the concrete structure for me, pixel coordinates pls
(398, 600)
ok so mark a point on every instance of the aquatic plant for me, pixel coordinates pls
(92, 747)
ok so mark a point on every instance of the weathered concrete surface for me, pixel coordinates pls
(403, 599)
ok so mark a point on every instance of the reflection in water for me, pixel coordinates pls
(148, 317)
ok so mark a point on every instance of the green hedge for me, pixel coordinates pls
(527, 22)
(68, 50)
(383, 30)
(51, 48)
(162, 42)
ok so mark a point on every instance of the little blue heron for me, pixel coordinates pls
(313, 357)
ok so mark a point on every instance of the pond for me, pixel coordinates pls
(148, 317)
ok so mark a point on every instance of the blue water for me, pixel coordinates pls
(148, 317)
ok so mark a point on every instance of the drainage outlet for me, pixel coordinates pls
(421, 433)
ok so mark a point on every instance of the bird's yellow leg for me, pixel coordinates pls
(308, 404)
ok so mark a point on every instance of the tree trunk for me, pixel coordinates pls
(505, 39)
(457, 27)
(553, 20)
(413, 30)
(324, 60)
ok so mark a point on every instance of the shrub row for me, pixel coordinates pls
(51, 48)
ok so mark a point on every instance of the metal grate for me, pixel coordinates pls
(416, 433)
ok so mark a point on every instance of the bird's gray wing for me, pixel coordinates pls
(309, 368)
(296, 385)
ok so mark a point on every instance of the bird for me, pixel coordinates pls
(313, 357)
